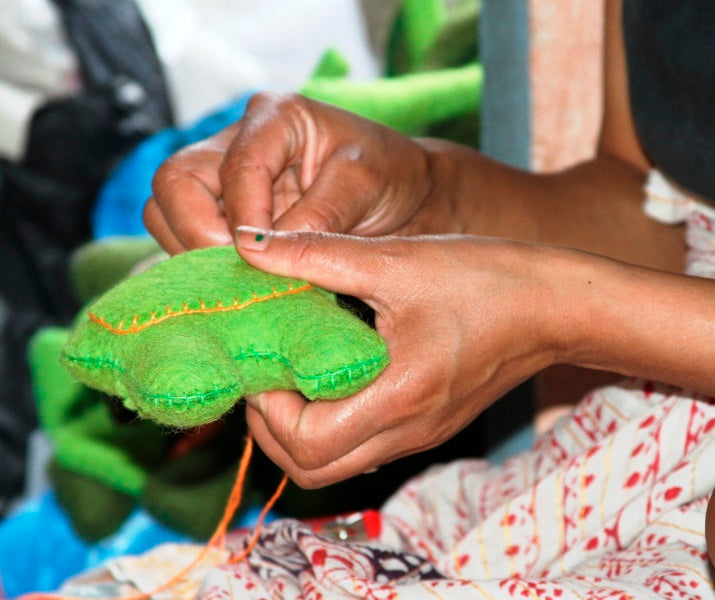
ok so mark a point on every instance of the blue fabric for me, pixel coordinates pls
(39, 550)
(120, 201)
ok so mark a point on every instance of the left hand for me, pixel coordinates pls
(465, 320)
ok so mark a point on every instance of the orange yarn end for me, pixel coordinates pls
(259, 524)
(217, 540)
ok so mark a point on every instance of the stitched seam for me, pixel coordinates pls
(198, 398)
(135, 327)
(192, 399)
(366, 366)
(95, 361)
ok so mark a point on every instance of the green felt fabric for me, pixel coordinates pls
(409, 103)
(78, 419)
(331, 64)
(181, 342)
(429, 35)
(104, 466)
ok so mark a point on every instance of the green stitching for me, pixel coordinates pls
(190, 399)
(95, 361)
(364, 366)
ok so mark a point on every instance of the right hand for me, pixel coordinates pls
(293, 164)
(465, 319)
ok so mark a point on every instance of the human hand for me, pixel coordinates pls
(465, 319)
(292, 164)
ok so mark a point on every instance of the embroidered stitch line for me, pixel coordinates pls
(358, 369)
(354, 371)
(135, 327)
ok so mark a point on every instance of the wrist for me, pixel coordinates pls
(600, 311)
(566, 305)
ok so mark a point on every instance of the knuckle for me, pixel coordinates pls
(236, 164)
(303, 251)
(259, 100)
(170, 174)
(162, 176)
(267, 103)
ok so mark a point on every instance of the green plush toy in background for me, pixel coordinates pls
(181, 342)
(106, 462)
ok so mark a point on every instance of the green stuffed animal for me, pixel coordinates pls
(106, 460)
(181, 342)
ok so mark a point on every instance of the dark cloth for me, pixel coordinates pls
(670, 54)
(46, 197)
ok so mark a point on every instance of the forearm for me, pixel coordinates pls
(595, 206)
(633, 320)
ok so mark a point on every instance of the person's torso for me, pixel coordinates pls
(670, 54)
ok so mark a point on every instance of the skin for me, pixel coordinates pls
(525, 270)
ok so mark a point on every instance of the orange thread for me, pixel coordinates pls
(259, 524)
(154, 320)
(216, 542)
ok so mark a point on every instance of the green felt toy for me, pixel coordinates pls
(104, 463)
(433, 84)
(181, 342)
(409, 103)
(428, 35)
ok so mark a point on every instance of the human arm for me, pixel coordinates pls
(466, 318)
(296, 164)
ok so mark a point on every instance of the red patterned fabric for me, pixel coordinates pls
(610, 503)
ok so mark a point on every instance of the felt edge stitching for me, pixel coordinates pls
(191, 399)
(218, 308)
(367, 366)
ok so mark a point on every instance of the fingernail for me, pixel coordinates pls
(252, 238)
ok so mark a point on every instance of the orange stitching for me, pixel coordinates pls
(154, 320)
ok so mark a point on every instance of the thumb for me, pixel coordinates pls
(341, 263)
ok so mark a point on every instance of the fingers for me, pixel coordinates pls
(185, 211)
(325, 206)
(297, 164)
(156, 224)
(322, 442)
(345, 264)
(276, 146)
(288, 164)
